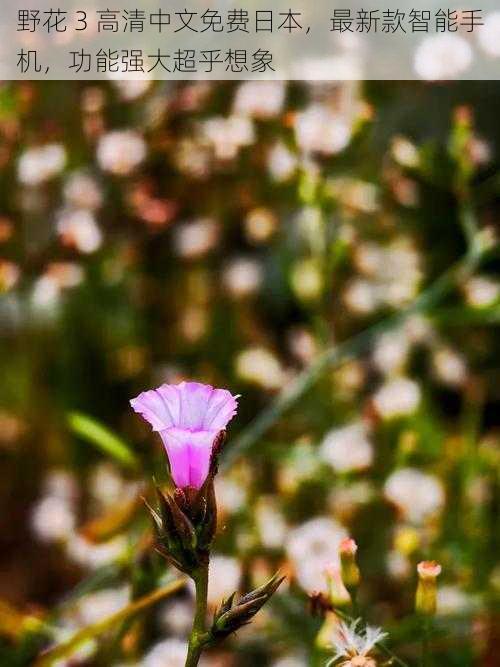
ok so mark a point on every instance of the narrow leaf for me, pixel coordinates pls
(101, 437)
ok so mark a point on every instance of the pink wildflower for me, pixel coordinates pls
(188, 417)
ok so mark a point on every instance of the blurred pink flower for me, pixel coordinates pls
(188, 417)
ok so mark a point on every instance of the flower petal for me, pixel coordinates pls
(189, 455)
(194, 399)
(154, 408)
(200, 452)
(178, 456)
(220, 410)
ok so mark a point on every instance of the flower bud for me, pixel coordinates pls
(231, 616)
(338, 593)
(349, 570)
(425, 602)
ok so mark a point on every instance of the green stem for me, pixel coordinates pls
(425, 643)
(198, 636)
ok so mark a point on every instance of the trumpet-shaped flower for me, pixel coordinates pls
(188, 416)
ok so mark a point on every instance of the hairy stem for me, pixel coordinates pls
(198, 636)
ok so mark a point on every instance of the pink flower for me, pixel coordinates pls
(188, 417)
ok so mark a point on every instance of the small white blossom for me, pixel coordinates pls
(260, 99)
(40, 164)
(121, 151)
(416, 494)
(320, 130)
(349, 642)
(397, 397)
(347, 448)
(311, 547)
(489, 35)
(441, 57)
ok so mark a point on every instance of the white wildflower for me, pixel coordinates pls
(40, 164)
(310, 547)
(441, 57)
(347, 448)
(121, 151)
(416, 494)
(349, 642)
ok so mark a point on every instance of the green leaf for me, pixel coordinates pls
(96, 433)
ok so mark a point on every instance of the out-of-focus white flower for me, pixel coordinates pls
(290, 661)
(259, 99)
(167, 653)
(79, 229)
(441, 57)
(47, 290)
(228, 135)
(270, 523)
(347, 448)
(302, 344)
(82, 191)
(481, 291)
(398, 565)
(488, 36)
(351, 643)
(301, 464)
(224, 578)
(320, 130)
(65, 274)
(452, 600)
(242, 277)
(121, 151)
(231, 495)
(404, 152)
(449, 367)
(192, 157)
(95, 606)
(418, 330)
(40, 164)
(196, 238)
(259, 366)
(95, 555)
(132, 89)
(391, 352)
(108, 487)
(345, 500)
(397, 398)
(260, 225)
(45, 296)
(281, 162)
(53, 518)
(177, 617)
(417, 495)
(361, 296)
(306, 279)
(60, 484)
(311, 547)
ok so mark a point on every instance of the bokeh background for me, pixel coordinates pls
(265, 237)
